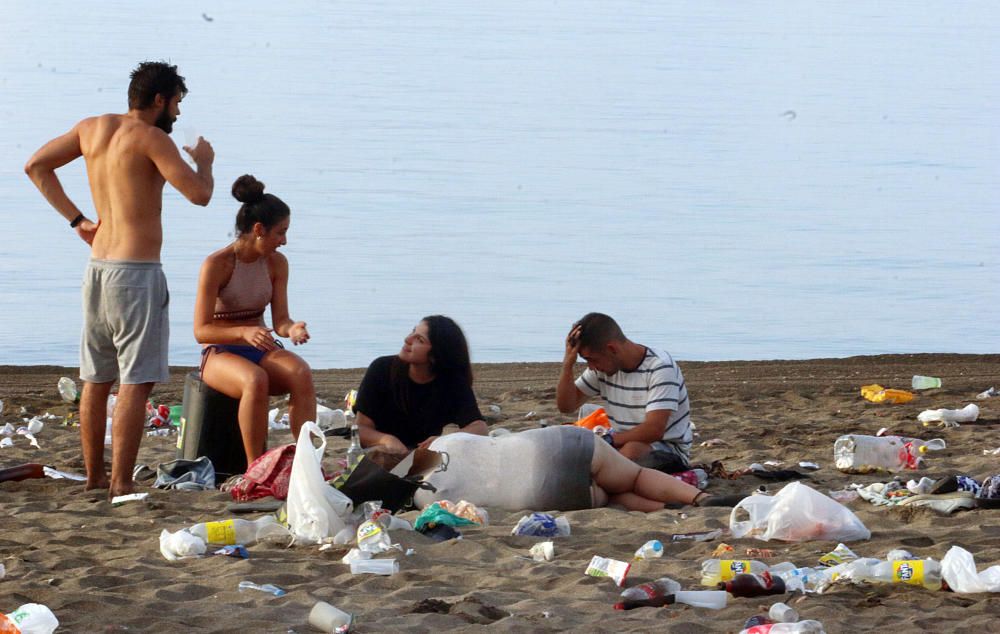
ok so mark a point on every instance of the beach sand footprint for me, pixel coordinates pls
(470, 610)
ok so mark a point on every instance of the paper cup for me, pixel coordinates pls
(542, 551)
(374, 566)
(327, 618)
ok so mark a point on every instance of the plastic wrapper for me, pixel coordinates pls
(611, 568)
(372, 538)
(839, 555)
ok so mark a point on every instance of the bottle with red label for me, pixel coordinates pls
(22, 472)
(748, 585)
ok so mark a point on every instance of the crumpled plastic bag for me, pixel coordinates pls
(468, 510)
(181, 544)
(542, 525)
(436, 514)
(950, 417)
(878, 394)
(797, 513)
(958, 568)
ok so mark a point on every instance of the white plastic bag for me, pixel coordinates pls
(174, 546)
(796, 513)
(959, 569)
(316, 510)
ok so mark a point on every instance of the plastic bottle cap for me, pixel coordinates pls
(923, 449)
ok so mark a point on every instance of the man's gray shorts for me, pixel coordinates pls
(125, 322)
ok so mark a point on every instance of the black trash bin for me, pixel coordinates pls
(210, 427)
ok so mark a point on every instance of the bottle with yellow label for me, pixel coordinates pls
(715, 571)
(239, 531)
(915, 572)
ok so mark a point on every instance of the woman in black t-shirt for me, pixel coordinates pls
(406, 400)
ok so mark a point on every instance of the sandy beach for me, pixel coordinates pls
(98, 567)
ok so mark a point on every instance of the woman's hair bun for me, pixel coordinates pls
(248, 189)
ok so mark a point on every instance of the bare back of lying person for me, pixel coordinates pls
(241, 357)
(129, 157)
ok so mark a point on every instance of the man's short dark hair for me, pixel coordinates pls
(154, 78)
(597, 330)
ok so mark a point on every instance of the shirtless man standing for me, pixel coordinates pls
(125, 299)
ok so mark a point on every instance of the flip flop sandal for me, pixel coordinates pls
(942, 502)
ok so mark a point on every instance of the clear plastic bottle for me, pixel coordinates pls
(650, 550)
(30, 618)
(239, 531)
(798, 579)
(917, 572)
(800, 627)
(661, 587)
(715, 571)
(857, 453)
(747, 585)
(712, 599)
(354, 452)
(270, 588)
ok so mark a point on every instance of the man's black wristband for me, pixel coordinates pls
(77, 221)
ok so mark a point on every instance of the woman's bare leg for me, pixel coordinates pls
(290, 374)
(635, 487)
(238, 378)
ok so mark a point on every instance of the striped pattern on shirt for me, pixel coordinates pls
(656, 384)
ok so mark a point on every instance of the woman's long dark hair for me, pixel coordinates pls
(449, 358)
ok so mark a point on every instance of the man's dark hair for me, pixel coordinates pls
(153, 78)
(597, 330)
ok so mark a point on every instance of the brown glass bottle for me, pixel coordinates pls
(744, 585)
(652, 602)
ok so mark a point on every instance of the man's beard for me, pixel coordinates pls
(164, 121)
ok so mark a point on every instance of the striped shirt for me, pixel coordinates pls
(655, 385)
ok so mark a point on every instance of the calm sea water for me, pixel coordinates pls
(729, 179)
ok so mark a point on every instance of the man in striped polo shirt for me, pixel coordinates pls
(642, 388)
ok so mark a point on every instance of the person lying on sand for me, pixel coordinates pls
(406, 400)
(643, 391)
(241, 357)
(560, 468)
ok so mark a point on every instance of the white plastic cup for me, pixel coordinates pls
(587, 409)
(375, 567)
(782, 613)
(712, 599)
(327, 618)
(920, 382)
